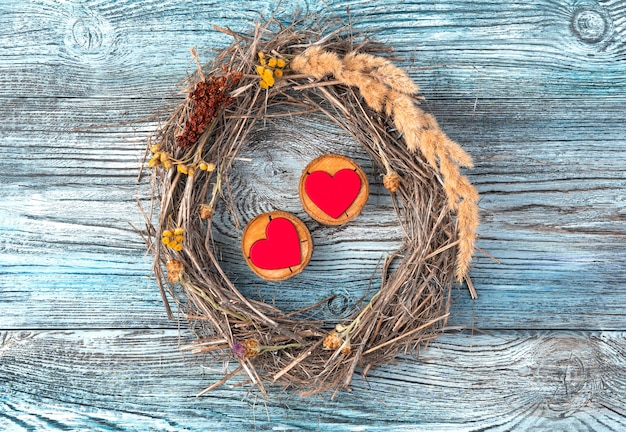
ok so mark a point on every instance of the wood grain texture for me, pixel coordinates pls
(535, 91)
(138, 380)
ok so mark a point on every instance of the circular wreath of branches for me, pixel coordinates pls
(299, 69)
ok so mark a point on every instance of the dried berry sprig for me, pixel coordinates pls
(208, 99)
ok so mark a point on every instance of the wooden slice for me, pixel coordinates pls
(276, 245)
(333, 189)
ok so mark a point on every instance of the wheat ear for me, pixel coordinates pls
(385, 87)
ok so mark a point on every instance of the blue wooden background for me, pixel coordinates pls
(535, 90)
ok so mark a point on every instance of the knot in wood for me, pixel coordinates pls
(90, 37)
(565, 374)
(87, 34)
(590, 25)
(338, 305)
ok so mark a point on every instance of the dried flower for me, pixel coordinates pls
(207, 166)
(173, 240)
(252, 348)
(346, 348)
(239, 349)
(249, 348)
(338, 338)
(154, 161)
(209, 98)
(266, 74)
(206, 211)
(332, 341)
(269, 70)
(391, 181)
(174, 270)
(158, 157)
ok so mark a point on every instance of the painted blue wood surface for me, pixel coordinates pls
(535, 91)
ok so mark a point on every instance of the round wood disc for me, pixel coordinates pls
(257, 231)
(317, 206)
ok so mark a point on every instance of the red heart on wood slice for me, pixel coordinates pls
(333, 194)
(281, 247)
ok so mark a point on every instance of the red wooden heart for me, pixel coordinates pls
(281, 247)
(333, 194)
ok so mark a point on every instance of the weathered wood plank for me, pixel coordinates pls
(487, 49)
(534, 90)
(137, 380)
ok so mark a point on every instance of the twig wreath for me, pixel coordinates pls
(302, 68)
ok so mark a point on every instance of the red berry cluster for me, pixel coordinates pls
(209, 98)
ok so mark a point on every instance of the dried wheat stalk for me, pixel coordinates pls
(385, 87)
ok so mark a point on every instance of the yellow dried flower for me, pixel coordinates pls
(174, 270)
(268, 76)
(182, 168)
(154, 148)
(332, 341)
(173, 240)
(164, 156)
(191, 171)
(391, 181)
(269, 70)
(167, 164)
(154, 161)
